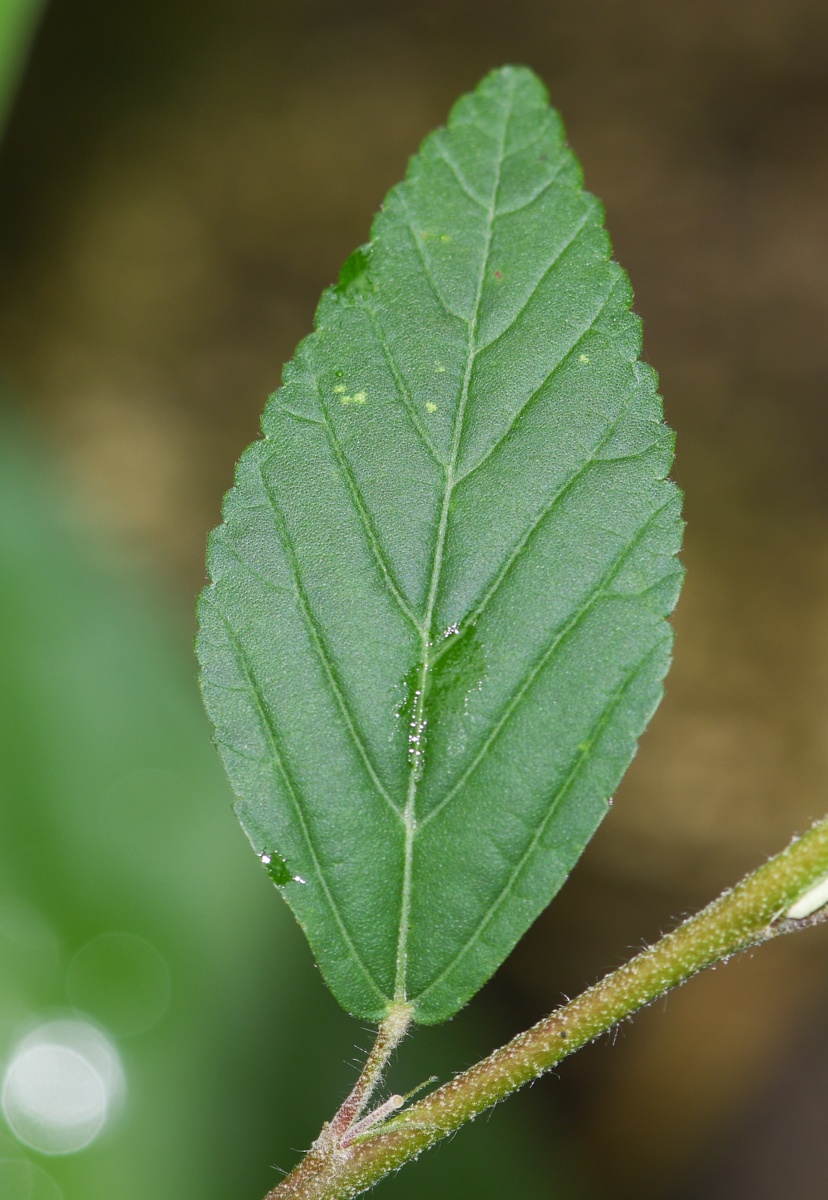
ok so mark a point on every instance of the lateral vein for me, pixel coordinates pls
(546, 511)
(321, 650)
(534, 395)
(402, 386)
(598, 592)
(546, 272)
(456, 172)
(581, 759)
(269, 730)
(536, 195)
(426, 267)
(365, 516)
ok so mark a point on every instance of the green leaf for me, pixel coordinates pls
(436, 623)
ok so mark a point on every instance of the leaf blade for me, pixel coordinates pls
(458, 508)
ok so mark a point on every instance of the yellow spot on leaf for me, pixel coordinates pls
(583, 358)
(430, 407)
(445, 237)
(340, 387)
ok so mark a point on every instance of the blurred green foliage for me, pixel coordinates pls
(17, 23)
(115, 819)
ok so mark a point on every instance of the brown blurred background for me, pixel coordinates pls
(178, 183)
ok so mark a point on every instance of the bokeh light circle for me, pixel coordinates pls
(120, 980)
(24, 1180)
(62, 1082)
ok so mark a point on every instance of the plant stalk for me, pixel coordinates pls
(754, 911)
(390, 1034)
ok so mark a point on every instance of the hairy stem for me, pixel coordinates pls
(771, 901)
(390, 1034)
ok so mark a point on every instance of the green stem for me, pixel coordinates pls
(753, 912)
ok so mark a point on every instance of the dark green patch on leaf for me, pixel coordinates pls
(456, 669)
(353, 278)
(276, 867)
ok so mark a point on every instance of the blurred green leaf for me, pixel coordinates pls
(18, 19)
(112, 824)
(436, 623)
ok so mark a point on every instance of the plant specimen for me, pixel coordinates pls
(437, 617)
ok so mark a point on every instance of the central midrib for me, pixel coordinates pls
(419, 716)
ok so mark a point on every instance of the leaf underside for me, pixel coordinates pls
(436, 622)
